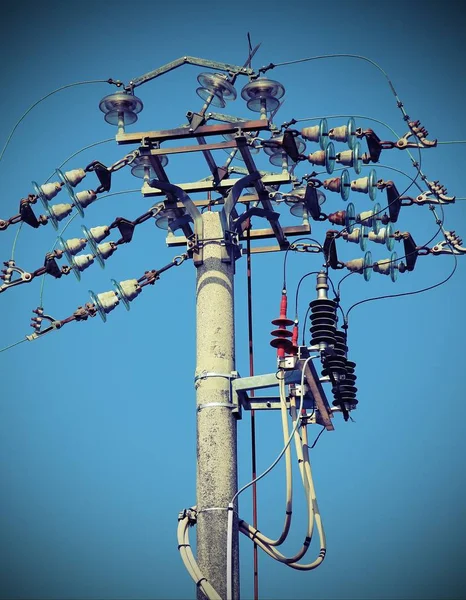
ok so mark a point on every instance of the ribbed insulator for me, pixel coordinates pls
(336, 362)
(323, 321)
(282, 340)
(346, 391)
(281, 335)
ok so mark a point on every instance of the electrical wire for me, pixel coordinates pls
(289, 488)
(78, 152)
(299, 285)
(15, 241)
(62, 231)
(357, 56)
(13, 345)
(431, 287)
(190, 562)
(290, 247)
(313, 509)
(253, 413)
(276, 461)
(39, 101)
(317, 438)
(305, 321)
(241, 490)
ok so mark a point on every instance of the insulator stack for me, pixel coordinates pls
(336, 362)
(323, 322)
(346, 390)
(281, 335)
(341, 371)
(323, 315)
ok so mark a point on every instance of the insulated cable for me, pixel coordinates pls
(431, 287)
(44, 98)
(190, 562)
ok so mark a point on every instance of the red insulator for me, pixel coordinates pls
(281, 335)
(294, 339)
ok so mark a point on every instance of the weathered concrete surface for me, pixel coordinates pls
(216, 426)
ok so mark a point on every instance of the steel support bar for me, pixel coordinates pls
(256, 234)
(216, 423)
(201, 148)
(272, 403)
(262, 192)
(210, 186)
(185, 132)
(189, 60)
(312, 380)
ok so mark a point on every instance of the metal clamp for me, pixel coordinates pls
(231, 404)
(213, 404)
(207, 374)
(212, 508)
(11, 268)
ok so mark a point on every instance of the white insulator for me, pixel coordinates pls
(354, 236)
(360, 185)
(85, 198)
(378, 238)
(130, 288)
(346, 158)
(108, 300)
(366, 217)
(106, 249)
(317, 158)
(75, 245)
(82, 261)
(339, 134)
(75, 176)
(100, 232)
(383, 266)
(50, 190)
(60, 211)
(356, 265)
(311, 133)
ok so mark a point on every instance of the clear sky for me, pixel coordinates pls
(97, 421)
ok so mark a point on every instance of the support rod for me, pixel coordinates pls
(216, 424)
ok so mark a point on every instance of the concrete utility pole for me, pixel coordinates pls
(216, 424)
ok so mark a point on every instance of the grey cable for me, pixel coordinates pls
(13, 345)
(39, 101)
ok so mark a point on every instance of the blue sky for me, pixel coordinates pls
(97, 424)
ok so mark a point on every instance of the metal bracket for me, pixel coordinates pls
(188, 60)
(37, 324)
(451, 245)
(190, 207)
(24, 276)
(233, 404)
(314, 400)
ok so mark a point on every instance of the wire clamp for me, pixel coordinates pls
(11, 268)
(190, 514)
(451, 245)
(36, 324)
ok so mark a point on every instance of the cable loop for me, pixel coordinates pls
(125, 161)
(179, 260)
